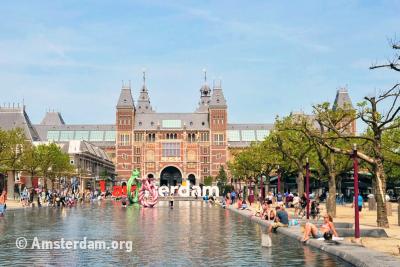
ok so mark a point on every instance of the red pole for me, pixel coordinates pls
(308, 187)
(279, 181)
(356, 212)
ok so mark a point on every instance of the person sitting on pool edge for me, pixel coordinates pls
(281, 219)
(326, 227)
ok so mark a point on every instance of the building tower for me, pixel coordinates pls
(125, 119)
(218, 117)
(143, 104)
(205, 95)
(343, 101)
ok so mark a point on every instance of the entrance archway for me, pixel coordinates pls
(192, 179)
(170, 176)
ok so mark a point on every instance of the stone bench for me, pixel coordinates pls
(376, 232)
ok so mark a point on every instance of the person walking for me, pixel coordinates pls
(233, 196)
(3, 206)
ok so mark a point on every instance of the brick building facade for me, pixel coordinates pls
(171, 147)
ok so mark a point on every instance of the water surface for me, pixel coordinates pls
(192, 234)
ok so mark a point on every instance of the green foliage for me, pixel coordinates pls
(221, 177)
(208, 180)
(53, 161)
(11, 147)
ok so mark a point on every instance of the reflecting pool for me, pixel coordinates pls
(191, 234)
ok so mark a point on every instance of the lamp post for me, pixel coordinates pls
(308, 187)
(279, 181)
(262, 187)
(356, 211)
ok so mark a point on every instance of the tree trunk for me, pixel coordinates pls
(331, 201)
(380, 193)
(300, 182)
(10, 185)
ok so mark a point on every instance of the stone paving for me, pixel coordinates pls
(352, 253)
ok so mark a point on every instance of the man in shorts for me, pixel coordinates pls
(281, 219)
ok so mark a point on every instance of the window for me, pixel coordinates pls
(171, 123)
(218, 139)
(109, 136)
(248, 135)
(171, 150)
(233, 135)
(137, 159)
(124, 140)
(219, 155)
(205, 159)
(205, 150)
(66, 135)
(138, 137)
(137, 150)
(96, 135)
(124, 156)
(171, 136)
(53, 135)
(125, 166)
(261, 134)
(82, 135)
(205, 170)
(204, 137)
(191, 137)
(151, 137)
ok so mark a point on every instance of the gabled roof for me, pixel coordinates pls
(16, 117)
(125, 98)
(342, 100)
(143, 103)
(217, 98)
(205, 98)
(53, 118)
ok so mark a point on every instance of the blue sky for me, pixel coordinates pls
(273, 57)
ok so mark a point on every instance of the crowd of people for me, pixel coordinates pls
(67, 197)
(274, 208)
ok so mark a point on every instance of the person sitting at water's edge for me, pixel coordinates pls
(281, 219)
(326, 229)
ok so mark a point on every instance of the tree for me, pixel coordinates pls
(221, 178)
(54, 163)
(30, 160)
(294, 146)
(11, 147)
(373, 150)
(208, 180)
(331, 164)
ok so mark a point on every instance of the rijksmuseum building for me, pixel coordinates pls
(170, 147)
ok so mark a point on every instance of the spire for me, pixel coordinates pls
(217, 98)
(205, 95)
(144, 80)
(125, 98)
(143, 104)
(342, 99)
